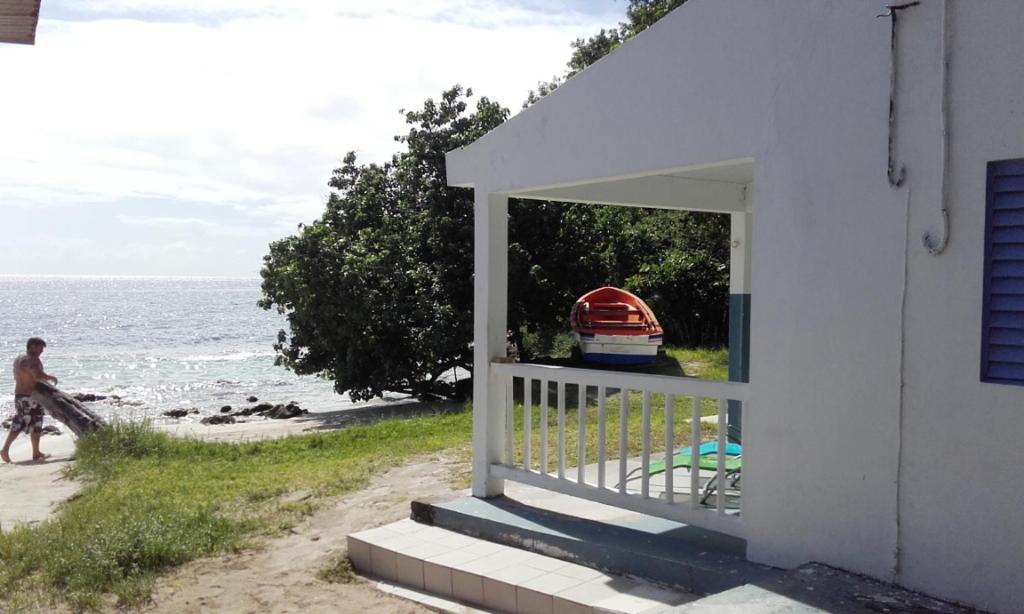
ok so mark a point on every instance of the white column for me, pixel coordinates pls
(490, 315)
(739, 253)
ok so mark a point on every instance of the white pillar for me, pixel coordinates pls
(490, 322)
(739, 253)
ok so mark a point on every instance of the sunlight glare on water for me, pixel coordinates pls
(160, 343)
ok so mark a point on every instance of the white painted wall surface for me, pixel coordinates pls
(802, 87)
(962, 484)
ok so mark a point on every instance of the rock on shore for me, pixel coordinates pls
(180, 413)
(280, 411)
(283, 412)
(87, 397)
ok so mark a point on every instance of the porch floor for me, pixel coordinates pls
(656, 485)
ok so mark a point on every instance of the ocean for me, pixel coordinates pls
(159, 343)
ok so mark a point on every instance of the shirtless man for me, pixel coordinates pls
(28, 416)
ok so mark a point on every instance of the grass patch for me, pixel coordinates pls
(151, 502)
(705, 363)
(338, 571)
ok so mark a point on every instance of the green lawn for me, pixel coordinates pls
(152, 502)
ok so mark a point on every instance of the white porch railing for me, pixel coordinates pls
(634, 489)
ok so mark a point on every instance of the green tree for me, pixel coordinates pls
(377, 292)
(677, 261)
(551, 262)
(640, 15)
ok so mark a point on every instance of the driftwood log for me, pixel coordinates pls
(65, 409)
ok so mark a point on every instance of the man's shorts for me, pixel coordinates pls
(28, 416)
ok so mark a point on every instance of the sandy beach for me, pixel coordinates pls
(254, 429)
(33, 488)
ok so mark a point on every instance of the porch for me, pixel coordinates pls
(604, 435)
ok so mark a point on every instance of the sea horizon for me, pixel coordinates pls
(116, 276)
(160, 343)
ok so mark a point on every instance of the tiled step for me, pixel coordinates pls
(497, 577)
(662, 551)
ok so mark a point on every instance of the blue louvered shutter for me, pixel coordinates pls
(1002, 337)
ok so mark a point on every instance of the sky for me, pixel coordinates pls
(181, 137)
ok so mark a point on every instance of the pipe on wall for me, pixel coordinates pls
(937, 244)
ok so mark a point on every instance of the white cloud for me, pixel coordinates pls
(149, 220)
(192, 226)
(247, 103)
(479, 12)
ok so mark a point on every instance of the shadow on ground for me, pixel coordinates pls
(343, 418)
(664, 365)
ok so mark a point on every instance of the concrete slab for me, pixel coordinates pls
(657, 484)
(841, 592)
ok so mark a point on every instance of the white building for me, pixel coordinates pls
(875, 438)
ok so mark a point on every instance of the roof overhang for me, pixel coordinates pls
(652, 124)
(720, 187)
(18, 21)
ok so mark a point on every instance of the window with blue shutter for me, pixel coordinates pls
(1002, 336)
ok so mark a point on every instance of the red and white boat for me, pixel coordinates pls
(613, 326)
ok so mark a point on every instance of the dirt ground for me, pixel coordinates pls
(282, 577)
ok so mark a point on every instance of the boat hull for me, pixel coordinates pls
(618, 350)
(613, 326)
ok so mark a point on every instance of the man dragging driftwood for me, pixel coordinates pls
(28, 414)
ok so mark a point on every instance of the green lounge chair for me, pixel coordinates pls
(708, 461)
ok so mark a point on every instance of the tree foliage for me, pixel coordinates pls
(676, 260)
(640, 15)
(378, 292)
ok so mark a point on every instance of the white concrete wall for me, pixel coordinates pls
(962, 487)
(802, 87)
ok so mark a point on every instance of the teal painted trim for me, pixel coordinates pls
(739, 337)
(739, 356)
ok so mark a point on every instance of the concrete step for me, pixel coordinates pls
(691, 559)
(497, 577)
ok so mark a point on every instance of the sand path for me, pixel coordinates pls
(30, 489)
(282, 577)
